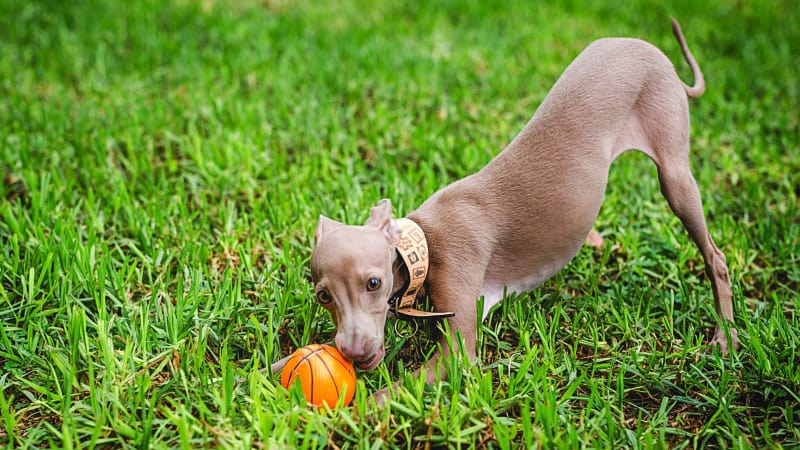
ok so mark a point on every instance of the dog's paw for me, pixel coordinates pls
(594, 240)
(721, 341)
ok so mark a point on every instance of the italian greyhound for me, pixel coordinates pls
(523, 217)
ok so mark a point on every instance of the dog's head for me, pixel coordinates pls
(351, 268)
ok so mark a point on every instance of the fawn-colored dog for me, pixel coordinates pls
(524, 216)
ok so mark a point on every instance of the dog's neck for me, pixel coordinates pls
(410, 268)
(412, 253)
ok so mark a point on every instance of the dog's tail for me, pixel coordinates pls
(699, 83)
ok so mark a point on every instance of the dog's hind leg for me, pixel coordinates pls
(680, 189)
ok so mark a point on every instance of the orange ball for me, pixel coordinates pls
(323, 373)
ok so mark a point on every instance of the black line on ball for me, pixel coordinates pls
(335, 384)
(305, 357)
(347, 367)
(338, 359)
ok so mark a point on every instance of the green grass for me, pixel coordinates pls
(162, 166)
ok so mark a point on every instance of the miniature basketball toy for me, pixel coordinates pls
(323, 373)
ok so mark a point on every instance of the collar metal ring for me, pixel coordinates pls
(405, 328)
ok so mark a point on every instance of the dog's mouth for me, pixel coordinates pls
(371, 362)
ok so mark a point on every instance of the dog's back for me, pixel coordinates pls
(618, 94)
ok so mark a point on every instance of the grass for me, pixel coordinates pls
(163, 165)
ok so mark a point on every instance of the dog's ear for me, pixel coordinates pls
(325, 225)
(380, 217)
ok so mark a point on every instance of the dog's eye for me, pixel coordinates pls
(323, 296)
(373, 284)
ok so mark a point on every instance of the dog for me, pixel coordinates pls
(524, 216)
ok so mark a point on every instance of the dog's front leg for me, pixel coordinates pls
(460, 298)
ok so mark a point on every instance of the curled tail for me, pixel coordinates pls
(699, 83)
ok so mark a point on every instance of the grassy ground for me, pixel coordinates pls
(163, 165)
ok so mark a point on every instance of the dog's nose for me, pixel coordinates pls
(352, 349)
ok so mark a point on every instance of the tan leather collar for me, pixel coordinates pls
(413, 250)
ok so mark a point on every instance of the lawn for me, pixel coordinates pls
(163, 165)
